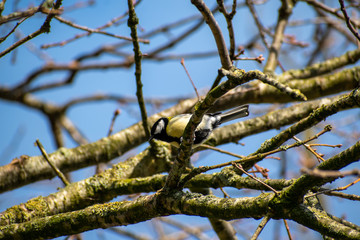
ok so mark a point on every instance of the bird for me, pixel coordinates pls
(171, 129)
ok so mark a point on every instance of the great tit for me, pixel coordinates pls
(171, 129)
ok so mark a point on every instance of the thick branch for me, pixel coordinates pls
(216, 31)
(273, 120)
(312, 88)
(321, 113)
(97, 216)
(324, 67)
(306, 182)
(29, 169)
(237, 77)
(114, 182)
(124, 213)
(320, 221)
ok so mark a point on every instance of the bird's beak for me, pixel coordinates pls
(151, 138)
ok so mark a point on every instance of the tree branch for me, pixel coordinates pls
(132, 22)
(285, 12)
(216, 31)
(45, 28)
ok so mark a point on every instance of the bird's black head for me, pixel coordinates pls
(158, 130)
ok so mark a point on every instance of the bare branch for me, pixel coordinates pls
(89, 30)
(216, 31)
(330, 173)
(348, 20)
(45, 28)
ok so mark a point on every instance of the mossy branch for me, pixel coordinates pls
(320, 221)
(272, 120)
(97, 216)
(159, 204)
(321, 68)
(25, 169)
(294, 93)
(318, 115)
(104, 187)
(200, 109)
(129, 212)
(96, 189)
(298, 189)
(132, 22)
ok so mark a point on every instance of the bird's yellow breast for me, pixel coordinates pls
(177, 124)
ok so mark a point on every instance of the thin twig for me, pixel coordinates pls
(319, 158)
(34, 49)
(348, 21)
(21, 41)
(259, 58)
(72, 66)
(259, 25)
(45, 28)
(261, 226)
(89, 30)
(294, 93)
(194, 55)
(100, 167)
(78, 36)
(56, 170)
(221, 151)
(116, 113)
(325, 145)
(225, 193)
(352, 197)
(217, 80)
(287, 229)
(334, 23)
(330, 10)
(13, 29)
(263, 171)
(329, 173)
(238, 166)
(73, 131)
(348, 185)
(192, 82)
(251, 158)
(228, 18)
(335, 192)
(28, 13)
(197, 232)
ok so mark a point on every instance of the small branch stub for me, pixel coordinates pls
(56, 170)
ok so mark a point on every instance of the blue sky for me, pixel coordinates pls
(21, 126)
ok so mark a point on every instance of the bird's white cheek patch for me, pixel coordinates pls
(159, 127)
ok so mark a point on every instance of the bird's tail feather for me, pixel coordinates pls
(238, 112)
